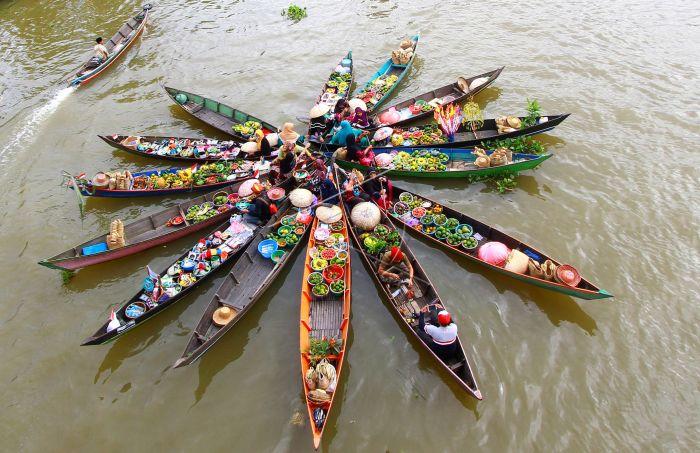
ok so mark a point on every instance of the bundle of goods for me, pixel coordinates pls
(375, 90)
(323, 376)
(382, 238)
(420, 160)
(208, 254)
(548, 270)
(116, 238)
(247, 129)
(500, 156)
(185, 147)
(403, 54)
(430, 134)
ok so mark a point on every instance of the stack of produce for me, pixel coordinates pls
(247, 129)
(420, 160)
(289, 233)
(382, 238)
(204, 148)
(329, 260)
(375, 90)
(403, 54)
(338, 83)
(430, 134)
(116, 238)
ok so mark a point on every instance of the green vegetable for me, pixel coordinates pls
(320, 290)
(469, 243)
(338, 286)
(294, 12)
(315, 278)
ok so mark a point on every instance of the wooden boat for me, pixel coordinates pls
(146, 299)
(87, 189)
(404, 308)
(463, 138)
(485, 233)
(186, 149)
(145, 233)
(322, 317)
(116, 46)
(459, 165)
(217, 115)
(388, 69)
(245, 284)
(328, 93)
(448, 93)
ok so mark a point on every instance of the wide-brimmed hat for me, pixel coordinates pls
(382, 134)
(568, 275)
(463, 84)
(319, 110)
(301, 198)
(288, 134)
(329, 214)
(223, 316)
(355, 103)
(249, 147)
(100, 180)
(246, 188)
(272, 138)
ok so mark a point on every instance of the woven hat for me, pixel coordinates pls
(319, 110)
(272, 139)
(288, 134)
(365, 215)
(382, 134)
(355, 103)
(100, 180)
(329, 214)
(463, 84)
(568, 275)
(223, 316)
(301, 198)
(246, 188)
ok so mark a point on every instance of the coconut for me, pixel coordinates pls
(365, 215)
(329, 214)
(301, 198)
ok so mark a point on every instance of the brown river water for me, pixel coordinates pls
(619, 200)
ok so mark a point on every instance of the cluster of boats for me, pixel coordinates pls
(255, 254)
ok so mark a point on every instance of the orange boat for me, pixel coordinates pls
(324, 322)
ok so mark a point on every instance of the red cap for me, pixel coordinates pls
(396, 254)
(444, 318)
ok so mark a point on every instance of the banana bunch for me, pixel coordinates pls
(115, 238)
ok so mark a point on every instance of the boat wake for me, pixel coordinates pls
(39, 115)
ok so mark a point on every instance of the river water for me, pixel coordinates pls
(619, 200)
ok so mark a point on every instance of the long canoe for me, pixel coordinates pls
(88, 190)
(386, 70)
(179, 149)
(465, 138)
(217, 115)
(157, 304)
(322, 317)
(485, 233)
(459, 165)
(452, 93)
(144, 233)
(116, 46)
(330, 90)
(245, 284)
(405, 308)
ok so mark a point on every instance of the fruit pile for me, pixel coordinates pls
(338, 83)
(430, 134)
(248, 128)
(376, 89)
(420, 160)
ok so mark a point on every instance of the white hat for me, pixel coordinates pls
(249, 147)
(319, 110)
(355, 103)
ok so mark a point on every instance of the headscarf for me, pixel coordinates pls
(288, 134)
(360, 117)
(396, 255)
(346, 130)
(259, 135)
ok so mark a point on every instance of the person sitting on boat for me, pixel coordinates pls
(366, 156)
(261, 209)
(441, 338)
(359, 118)
(346, 130)
(101, 51)
(395, 266)
(380, 188)
(328, 191)
(288, 134)
(319, 124)
(319, 171)
(341, 111)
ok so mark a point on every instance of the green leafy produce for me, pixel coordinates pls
(294, 12)
(381, 230)
(338, 286)
(320, 290)
(393, 239)
(374, 244)
(315, 278)
(533, 114)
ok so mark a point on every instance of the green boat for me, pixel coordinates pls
(455, 163)
(476, 235)
(388, 69)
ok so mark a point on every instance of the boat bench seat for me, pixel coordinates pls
(326, 317)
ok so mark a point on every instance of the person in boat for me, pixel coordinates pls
(441, 333)
(319, 171)
(101, 51)
(345, 132)
(395, 266)
(261, 209)
(289, 134)
(341, 111)
(359, 118)
(328, 191)
(380, 188)
(319, 124)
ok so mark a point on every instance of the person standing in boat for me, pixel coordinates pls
(101, 51)
(441, 338)
(393, 264)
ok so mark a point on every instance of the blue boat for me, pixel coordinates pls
(388, 69)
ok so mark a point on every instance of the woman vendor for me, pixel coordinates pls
(261, 208)
(346, 130)
(319, 124)
(289, 134)
(380, 188)
(393, 264)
